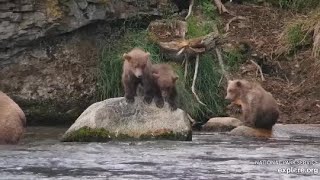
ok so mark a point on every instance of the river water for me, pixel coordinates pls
(40, 155)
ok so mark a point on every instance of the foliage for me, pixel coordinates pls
(198, 27)
(301, 32)
(298, 5)
(234, 59)
(208, 9)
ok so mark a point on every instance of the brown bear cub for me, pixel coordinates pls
(259, 108)
(137, 69)
(165, 79)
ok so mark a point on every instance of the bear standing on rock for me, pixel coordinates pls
(12, 120)
(137, 69)
(165, 79)
(259, 108)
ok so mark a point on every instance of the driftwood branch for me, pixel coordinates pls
(219, 56)
(259, 69)
(194, 81)
(190, 9)
(220, 6)
(227, 28)
(175, 49)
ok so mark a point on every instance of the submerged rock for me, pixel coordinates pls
(115, 119)
(251, 132)
(12, 120)
(220, 124)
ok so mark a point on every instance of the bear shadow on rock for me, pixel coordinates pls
(115, 119)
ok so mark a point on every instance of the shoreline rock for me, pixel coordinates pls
(221, 124)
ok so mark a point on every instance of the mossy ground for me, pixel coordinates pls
(87, 134)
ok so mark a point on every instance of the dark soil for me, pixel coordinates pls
(293, 80)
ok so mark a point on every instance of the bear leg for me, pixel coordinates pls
(172, 99)
(148, 88)
(130, 88)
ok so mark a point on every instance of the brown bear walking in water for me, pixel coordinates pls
(166, 79)
(12, 120)
(137, 69)
(259, 108)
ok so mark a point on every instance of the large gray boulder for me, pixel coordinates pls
(115, 119)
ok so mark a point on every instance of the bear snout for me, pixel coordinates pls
(138, 73)
(228, 98)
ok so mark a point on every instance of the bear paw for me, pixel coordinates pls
(147, 100)
(173, 107)
(130, 100)
(159, 103)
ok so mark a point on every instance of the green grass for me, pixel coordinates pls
(295, 37)
(198, 27)
(233, 59)
(298, 5)
(208, 9)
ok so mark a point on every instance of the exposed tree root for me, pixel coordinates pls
(224, 72)
(231, 20)
(259, 69)
(220, 6)
(190, 9)
(194, 81)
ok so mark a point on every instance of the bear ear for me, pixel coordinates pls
(238, 84)
(175, 78)
(155, 75)
(148, 54)
(126, 56)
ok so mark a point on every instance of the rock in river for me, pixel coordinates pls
(115, 119)
(221, 124)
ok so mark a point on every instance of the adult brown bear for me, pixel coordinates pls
(12, 120)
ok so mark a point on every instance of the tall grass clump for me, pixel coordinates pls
(208, 9)
(298, 5)
(302, 32)
(207, 86)
(233, 59)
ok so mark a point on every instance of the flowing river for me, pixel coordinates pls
(40, 155)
